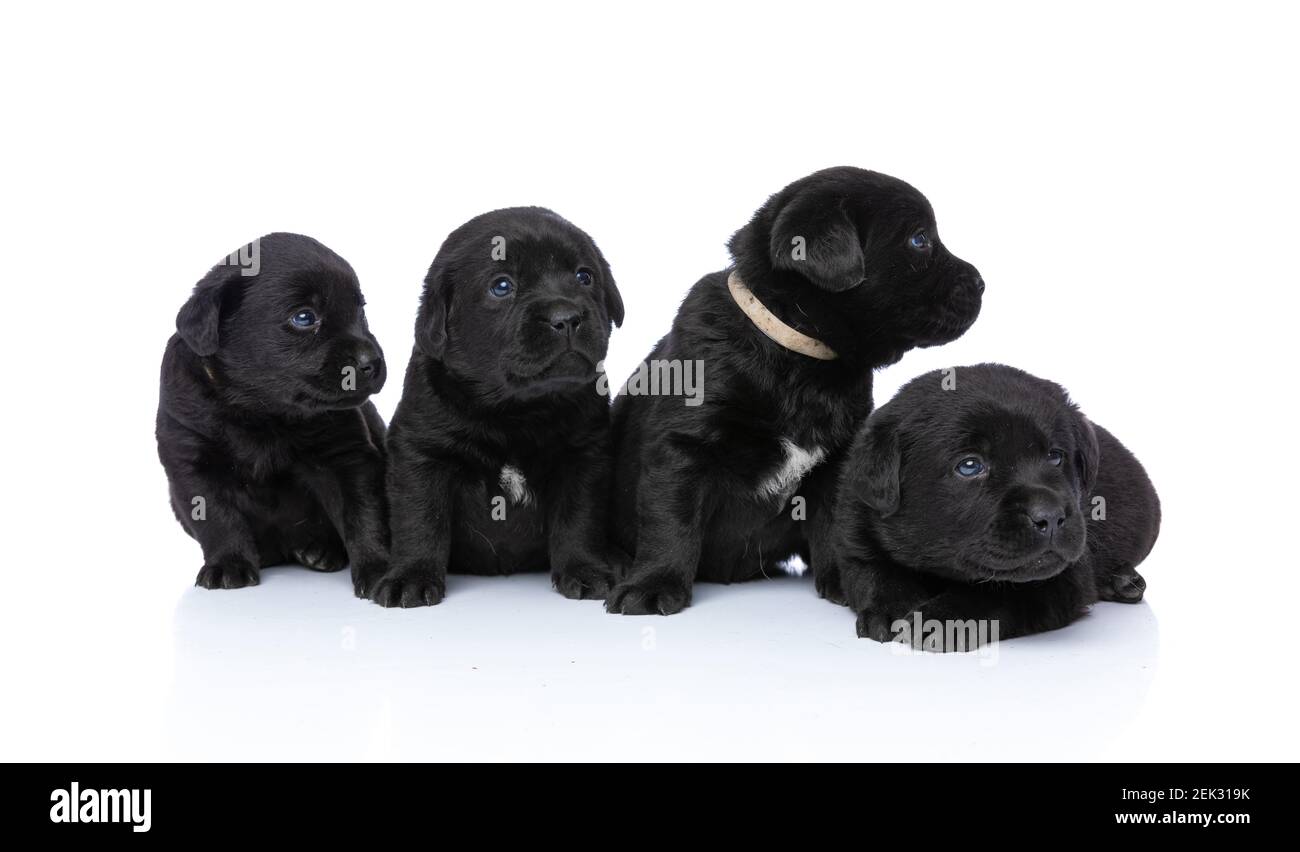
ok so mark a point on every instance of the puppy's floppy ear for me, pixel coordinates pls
(431, 321)
(1087, 453)
(814, 236)
(871, 472)
(199, 320)
(613, 299)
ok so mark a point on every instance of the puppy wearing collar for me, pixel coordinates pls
(836, 275)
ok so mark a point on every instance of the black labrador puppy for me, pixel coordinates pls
(838, 274)
(272, 449)
(499, 449)
(983, 494)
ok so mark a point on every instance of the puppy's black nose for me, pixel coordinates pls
(565, 321)
(979, 283)
(1045, 516)
(369, 363)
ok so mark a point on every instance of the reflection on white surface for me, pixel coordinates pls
(504, 668)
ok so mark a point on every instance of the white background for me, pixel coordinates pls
(1123, 175)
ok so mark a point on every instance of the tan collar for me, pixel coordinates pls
(768, 323)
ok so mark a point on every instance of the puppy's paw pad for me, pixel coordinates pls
(408, 591)
(228, 576)
(650, 596)
(584, 584)
(1125, 588)
(321, 557)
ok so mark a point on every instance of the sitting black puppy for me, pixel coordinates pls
(836, 275)
(272, 450)
(983, 493)
(499, 448)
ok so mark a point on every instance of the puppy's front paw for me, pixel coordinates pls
(584, 583)
(933, 627)
(366, 577)
(408, 589)
(235, 574)
(326, 556)
(1126, 587)
(660, 593)
(876, 626)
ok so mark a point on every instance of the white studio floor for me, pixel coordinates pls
(296, 669)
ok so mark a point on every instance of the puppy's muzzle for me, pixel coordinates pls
(559, 339)
(961, 305)
(1037, 523)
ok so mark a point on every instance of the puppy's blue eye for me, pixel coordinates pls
(502, 287)
(304, 319)
(584, 277)
(970, 467)
(920, 240)
(1055, 457)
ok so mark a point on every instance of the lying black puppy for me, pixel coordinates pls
(272, 450)
(982, 493)
(499, 448)
(838, 274)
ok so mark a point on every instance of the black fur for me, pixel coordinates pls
(1020, 542)
(504, 381)
(686, 477)
(259, 421)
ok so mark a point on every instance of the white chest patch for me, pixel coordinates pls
(515, 486)
(798, 462)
